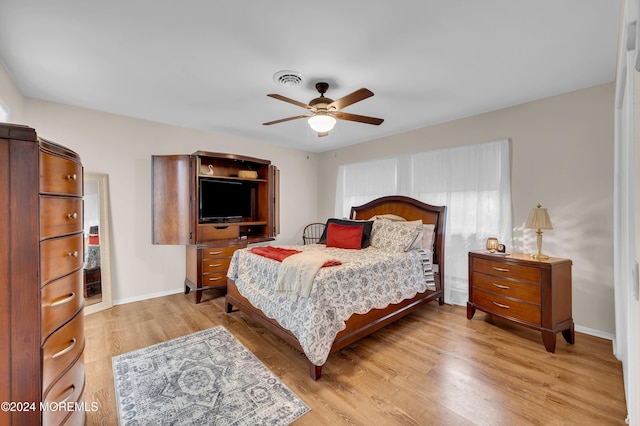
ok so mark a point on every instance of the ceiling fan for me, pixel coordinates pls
(324, 111)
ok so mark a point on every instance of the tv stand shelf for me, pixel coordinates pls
(186, 194)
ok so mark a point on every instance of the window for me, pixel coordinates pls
(473, 181)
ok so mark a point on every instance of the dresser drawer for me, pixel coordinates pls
(59, 175)
(215, 265)
(61, 349)
(506, 307)
(218, 232)
(68, 389)
(506, 287)
(218, 252)
(214, 278)
(60, 216)
(60, 256)
(503, 269)
(60, 300)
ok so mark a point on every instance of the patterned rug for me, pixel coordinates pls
(204, 378)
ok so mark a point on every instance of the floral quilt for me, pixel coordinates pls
(366, 279)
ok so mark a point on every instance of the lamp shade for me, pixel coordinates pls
(322, 122)
(539, 219)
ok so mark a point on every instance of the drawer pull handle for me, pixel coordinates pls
(215, 265)
(72, 344)
(222, 227)
(73, 215)
(74, 254)
(214, 252)
(500, 305)
(64, 300)
(70, 392)
(504, 287)
(72, 177)
(500, 269)
(215, 279)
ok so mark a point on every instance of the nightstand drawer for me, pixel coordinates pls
(508, 288)
(503, 269)
(507, 307)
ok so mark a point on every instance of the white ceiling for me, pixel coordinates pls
(208, 65)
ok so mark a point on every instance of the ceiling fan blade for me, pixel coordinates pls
(351, 98)
(291, 101)
(282, 120)
(355, 117)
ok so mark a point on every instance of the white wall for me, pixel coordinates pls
(122, 147)
(562, 157)
(562, 150)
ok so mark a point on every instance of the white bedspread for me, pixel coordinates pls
(367, 279)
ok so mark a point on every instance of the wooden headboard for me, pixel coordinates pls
(410, 209)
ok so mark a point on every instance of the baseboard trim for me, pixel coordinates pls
(147, 296)
(596, 333)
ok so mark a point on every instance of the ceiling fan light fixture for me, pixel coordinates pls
(322, 122)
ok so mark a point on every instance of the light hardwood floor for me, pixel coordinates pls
(433, 367)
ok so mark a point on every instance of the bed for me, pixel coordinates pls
(251, 285)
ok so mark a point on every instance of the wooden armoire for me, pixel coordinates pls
(180, 204)
(41, 295)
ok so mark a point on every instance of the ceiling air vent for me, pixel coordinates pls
(287, 78)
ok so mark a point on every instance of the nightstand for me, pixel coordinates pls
(532, 293)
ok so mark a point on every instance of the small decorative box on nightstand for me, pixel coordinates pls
(536, 294)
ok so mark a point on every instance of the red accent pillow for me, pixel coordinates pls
(344, 236)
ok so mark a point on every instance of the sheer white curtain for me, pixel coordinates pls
(626, 345)
(473, 181)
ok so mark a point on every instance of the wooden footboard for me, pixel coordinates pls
(358, 326)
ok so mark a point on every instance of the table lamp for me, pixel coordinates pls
(539, 219)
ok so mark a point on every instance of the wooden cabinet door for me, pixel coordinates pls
(172, 189)
(274, 202)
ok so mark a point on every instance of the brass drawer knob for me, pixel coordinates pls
(74, 254)
(72, 177)
(73, 215)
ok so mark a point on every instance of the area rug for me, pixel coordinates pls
(204, 378)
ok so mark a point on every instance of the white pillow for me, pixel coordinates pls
(428, 236)
(393, 236)
(389, 216)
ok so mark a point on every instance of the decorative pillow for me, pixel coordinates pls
(389, 216)
(394, 236)
(366, 225)
(344, 236)
(428, 236)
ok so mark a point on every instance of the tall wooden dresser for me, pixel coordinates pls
(41, 296)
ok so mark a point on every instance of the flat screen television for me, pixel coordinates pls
(225, 200)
